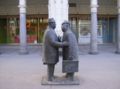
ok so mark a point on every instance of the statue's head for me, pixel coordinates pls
(51, 23)
(65, 26)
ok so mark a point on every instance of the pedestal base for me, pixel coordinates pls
(24, 53)
(117, 52)
(60, 81)
(93, 53)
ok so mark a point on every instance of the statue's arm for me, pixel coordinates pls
(54, 42)
(65, 43)
(59, 44)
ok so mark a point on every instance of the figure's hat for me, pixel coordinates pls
(66, 22)
(51, 20)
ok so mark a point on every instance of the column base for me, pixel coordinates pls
(117, 52)
(23, 52)
(93, 53)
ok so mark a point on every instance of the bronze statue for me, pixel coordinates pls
(70, 52)
(69, 47)
(50, 48)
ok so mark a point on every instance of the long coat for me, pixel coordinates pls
(70, 52)
(50, 47)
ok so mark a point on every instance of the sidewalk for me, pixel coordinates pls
(100, 71)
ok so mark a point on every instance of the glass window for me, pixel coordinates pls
(13, 30)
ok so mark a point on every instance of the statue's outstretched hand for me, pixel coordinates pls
(59, 38)
(65, 43)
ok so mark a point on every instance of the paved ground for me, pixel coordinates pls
(100, 71)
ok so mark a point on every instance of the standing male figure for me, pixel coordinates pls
(70, 52)
(50, 48)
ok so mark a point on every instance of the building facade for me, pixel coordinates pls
(92, 21)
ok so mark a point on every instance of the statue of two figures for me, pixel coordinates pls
(51, 45)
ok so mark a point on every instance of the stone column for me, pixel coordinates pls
(93, 42)
(65, 10)
(23, 34)
(58, 9)
(118, 31)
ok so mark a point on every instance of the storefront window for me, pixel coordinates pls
(32, 30)
(35, 29)
(99, 32)
(3, 30)
(41, 29)
(9, 29)
(13, 31)
(85, 30)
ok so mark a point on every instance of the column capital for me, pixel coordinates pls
(94, 2)
(94, 9)
(119, 10)
(22, 2)
(118, 3)
(22, 9)
(22, 6)
(118, 6)
(94, 6)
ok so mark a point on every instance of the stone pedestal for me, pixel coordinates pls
(61, 81)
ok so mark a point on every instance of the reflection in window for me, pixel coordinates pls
(84, 28)
(12, 30)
